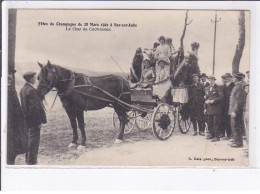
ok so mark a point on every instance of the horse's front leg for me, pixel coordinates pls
(72, 117)
(80, 118)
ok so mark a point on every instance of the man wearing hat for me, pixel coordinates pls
(196, 103)
(237, 102)
(203, 80)
(246, 111)
(34, 116)
(205, 84)
(213, 104)
(227, 87)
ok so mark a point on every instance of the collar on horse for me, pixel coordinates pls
(70, 86)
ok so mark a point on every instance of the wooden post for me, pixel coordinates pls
(215, 35)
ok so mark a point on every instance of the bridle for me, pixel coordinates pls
(52, 74)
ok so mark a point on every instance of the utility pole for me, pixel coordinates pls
(214, 48)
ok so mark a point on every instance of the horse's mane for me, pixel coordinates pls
(63, 69)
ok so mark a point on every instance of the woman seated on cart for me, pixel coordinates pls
(148, 77)
(162, 83)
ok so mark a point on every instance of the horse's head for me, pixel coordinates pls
(48, 78)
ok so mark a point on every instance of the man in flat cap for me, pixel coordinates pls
(237, 102)
(213, 105)
(228, 85)
(34, 116)
(196, 103)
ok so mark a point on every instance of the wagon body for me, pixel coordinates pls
(161, 117)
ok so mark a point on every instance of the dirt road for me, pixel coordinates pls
(184, 150)
(138, 149)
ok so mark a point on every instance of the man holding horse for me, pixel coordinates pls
(34, 116)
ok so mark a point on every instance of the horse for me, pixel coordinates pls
(74, 100)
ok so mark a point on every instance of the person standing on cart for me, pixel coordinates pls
(213, 108)
(163, 52)
(196, 103)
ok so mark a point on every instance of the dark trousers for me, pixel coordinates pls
(226, 125)
(237, 126)
(195, 121)
(11, 158)
(213, 125)
(33, 145)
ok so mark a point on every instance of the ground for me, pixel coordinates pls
(140, 148)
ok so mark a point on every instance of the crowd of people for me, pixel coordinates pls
(223, 108)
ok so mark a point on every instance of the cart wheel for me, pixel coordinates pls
(129, 125)
(184, 125)
(143, 122)
(163, 121)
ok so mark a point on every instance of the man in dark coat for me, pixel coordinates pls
(237, 102)
(196, 103)
(203, 80)
(16, 126)
(213, 105)
(34, 116)
(205, 84)
(227, 87)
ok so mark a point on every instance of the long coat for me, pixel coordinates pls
(237, 99)
(227, 92)
(196, 100)
(16, 127)
(32, 106)
(214, 93)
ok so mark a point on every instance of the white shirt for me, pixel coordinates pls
(163, 52)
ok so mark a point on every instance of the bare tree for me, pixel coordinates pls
(241, 43)
(186, 23)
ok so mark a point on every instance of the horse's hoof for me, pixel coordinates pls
(81, 148)
(118, 141)
(72, 145)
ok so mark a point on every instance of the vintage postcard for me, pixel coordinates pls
(128, 88)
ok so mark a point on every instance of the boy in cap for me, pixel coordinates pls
(237, 102)
(228, 85)
(34, 116)
(196, 103)
(213, 104)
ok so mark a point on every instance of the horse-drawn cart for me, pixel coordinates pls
(161, 117)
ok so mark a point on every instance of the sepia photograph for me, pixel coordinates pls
(128, 88)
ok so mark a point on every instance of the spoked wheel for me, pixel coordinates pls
(163, 121)
(184, 124)
(130, 122)
(143, 121)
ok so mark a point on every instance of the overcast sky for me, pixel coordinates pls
(93, 50)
